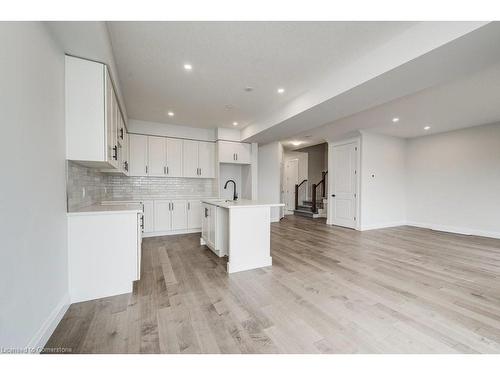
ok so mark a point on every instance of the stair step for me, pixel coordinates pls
(306, 213)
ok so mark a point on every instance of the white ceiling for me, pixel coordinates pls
(226, 58)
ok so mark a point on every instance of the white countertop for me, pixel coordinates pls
(240, 203)
(108, 209)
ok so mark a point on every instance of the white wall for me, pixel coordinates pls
(269, 176)
(454, 181)
(383, 181)
(33, 248)
(167, 130)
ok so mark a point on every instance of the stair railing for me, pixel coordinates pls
(297, 193)
(314, 187)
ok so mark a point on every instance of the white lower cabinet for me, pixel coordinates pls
(193, 214)
(148, 216)
(214, 223)
(162, 216)
(179, 215)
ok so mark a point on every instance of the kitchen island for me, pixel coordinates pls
(240, 230)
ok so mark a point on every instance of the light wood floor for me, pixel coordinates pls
(330, 290)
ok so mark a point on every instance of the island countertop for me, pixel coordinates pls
(240, 203)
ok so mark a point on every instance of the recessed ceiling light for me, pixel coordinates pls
(296, 143)
(248, 89)
(427, 127)
(395, 119)
(188, 67)
(170, 113)
(281, 90)
(235, 123)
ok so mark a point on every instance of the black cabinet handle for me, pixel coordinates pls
(142, 222)
(333, 195)
(121, 133)
(206, 212)
(125, 163)
(115, 153)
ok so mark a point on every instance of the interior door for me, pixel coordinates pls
(206, 159)
(157, 165)
(138, 154)
(174, 157)
(162, 215)
(291, 179)
(179, 215)
(190, 158)
(194, 214)
(344, 187)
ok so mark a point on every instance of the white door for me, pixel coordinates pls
(174, 157)
(291, 179)
(179, 215)
(190, 158)
(138, 154)
(162, 215)
(194, 214)
(344, 189)
(148, 216)
(157, 165)
(206, 159)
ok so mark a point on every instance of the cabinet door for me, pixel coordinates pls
(174, 157)
(190, 158)
(243, 153)
(204, 221)
(162, 216)
(138, 154)
(148, 216)
(227, 152)
(194, 214)
(111, 126)
(179, 215)
(212, 219)
(125, 154)
(157, 165)
(206, 159)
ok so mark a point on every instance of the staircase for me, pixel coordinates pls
(316, 207)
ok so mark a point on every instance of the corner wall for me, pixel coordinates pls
(383, 181)
(33, 248)
(454, 181)
(269, 181)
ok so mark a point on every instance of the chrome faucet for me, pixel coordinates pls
(235, 196)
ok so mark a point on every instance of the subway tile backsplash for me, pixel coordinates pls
(101, 186)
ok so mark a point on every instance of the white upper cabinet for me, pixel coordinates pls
(198, 159)
(206, 159)
(125, 154)
(138, 153)
(92, 114)
(234, 152)
(174, 157)
(190, 158)
(157, 156)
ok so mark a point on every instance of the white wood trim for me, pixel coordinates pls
(171, 232)
(453, 229)
(42, 336)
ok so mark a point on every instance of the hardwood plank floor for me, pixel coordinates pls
(330, 290)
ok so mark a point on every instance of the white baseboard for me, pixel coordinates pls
(457, 230)
(42, 336)
(171, 232)
(383, 225)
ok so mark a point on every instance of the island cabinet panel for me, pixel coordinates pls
(148, 216)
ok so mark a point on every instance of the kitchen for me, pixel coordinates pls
(125, 184)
